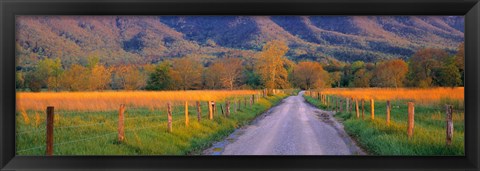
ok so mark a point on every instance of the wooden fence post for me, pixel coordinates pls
(348, 105)
(169, 117)
(245, 102)
(388, 112)
(50, 120)
(372, 109)
(221, 109)
(214, 107)
(239, 104)
(356, 108)
(351, 106)
(411, 119)
(235, 107)
(341, 105)
(449, 120)
(227, 106)
(336, 104)
(121, 122)
(253, 98)
(187, 120)
(199, 112)
(210, 110)
(363, 108)
(328, 103)
(251, 101)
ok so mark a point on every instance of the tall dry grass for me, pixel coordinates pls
(421, 96)
(107, 101)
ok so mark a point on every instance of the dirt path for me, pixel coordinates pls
(293, 127)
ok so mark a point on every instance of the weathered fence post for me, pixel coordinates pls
(50, 120)
(388, 112)
(121, 121)
(235, 107)
(210, 110)
(449, 120)
(411, 119)
(337, 106)
(328, 103)
(199, 112)
(356, 108)
(318, 96)
(372, 110)
(239, 104)
(348, 105)
(351, 106)
(341, 105)
(363, 108)
(187, 120)
(221, 109)
(214, 107)
(169, 117)
(253, 98)
(245, 102)
(251, 101)
(227, 106)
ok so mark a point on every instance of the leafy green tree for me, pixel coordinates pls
(422, 66)
(448, 74)
(55, 74)
(160, 78)
(75, 79)
(357, 65)
(362, 78)
(336, 78)
(33, 82)
(460, 61)
(19, 80)
(92, 61)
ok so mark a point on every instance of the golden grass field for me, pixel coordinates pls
(421, 96)
(110, 100)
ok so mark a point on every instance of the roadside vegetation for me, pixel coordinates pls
(95, 132)
(378, 138)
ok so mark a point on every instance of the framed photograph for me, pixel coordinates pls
(239, 85)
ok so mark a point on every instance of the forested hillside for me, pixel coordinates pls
(142, 40)
(91, 53)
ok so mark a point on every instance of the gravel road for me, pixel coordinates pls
(293, 127)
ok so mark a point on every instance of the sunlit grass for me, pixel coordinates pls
(378, 138)
(428, 96)
(95, 132)
(110, 100)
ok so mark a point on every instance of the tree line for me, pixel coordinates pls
(269, 68)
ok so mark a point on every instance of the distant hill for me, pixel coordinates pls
(149, 39)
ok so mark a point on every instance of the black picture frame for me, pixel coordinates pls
(10, 8)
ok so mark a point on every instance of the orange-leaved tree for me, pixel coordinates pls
(187, 73)
(271, 63)
(390, 73)
(307, 75)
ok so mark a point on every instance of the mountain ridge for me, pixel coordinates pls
(149, 39)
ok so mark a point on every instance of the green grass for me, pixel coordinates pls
(95, 133)
(378, 138)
